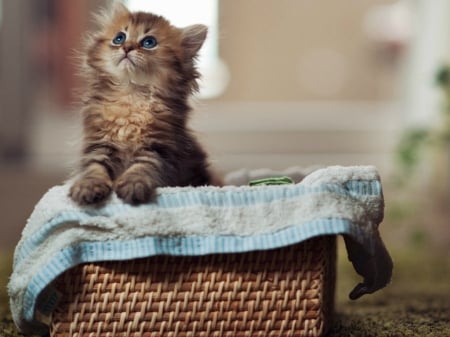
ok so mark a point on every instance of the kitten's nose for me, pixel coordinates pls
(127, 48)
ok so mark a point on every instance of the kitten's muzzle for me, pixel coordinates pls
(126, 55)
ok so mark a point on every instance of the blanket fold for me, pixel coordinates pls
(196, 221)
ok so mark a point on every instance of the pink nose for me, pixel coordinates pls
(127, 48)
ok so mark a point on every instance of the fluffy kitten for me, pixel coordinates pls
(140, 73)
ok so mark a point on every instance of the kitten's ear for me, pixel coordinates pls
(104, 17)
(193, 38)
(118, 8)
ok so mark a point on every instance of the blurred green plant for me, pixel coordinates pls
(443, 80)
(415, 141)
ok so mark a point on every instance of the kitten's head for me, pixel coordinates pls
(144, 48)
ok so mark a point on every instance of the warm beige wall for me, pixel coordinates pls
(271, 48)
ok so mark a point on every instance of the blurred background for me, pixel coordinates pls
(286, 83)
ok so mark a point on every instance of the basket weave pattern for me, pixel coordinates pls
(283, 292)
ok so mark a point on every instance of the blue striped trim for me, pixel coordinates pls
(368, 188)
(199, 197)
(177, 246)
(26, 247)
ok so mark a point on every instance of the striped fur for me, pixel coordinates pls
(135, 110)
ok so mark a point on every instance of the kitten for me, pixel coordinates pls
(140, 72)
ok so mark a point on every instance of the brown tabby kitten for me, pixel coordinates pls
(140, 72)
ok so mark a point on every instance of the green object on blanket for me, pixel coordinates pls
(271, 181)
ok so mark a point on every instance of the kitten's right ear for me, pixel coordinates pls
(118, 9)
(105, 16)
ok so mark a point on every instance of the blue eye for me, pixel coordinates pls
(119, 39)
(149, 42)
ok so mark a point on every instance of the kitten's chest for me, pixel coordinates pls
(128, 121)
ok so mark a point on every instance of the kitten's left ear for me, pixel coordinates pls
(193, 38)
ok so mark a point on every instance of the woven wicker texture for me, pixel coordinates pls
(282, 292)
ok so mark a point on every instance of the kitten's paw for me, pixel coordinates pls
(90, 190)
(135, 189)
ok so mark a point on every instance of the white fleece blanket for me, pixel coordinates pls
(195, 221)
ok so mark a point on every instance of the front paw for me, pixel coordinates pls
(90, 190)
(135, 189)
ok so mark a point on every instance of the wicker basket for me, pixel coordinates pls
(283, 292)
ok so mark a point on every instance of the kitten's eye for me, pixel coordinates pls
(119, 39)
(149, 42)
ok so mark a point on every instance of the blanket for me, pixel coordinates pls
(196, 221)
